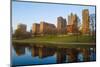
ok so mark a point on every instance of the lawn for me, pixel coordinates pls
(59, 39)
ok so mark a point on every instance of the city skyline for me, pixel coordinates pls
(37, 12)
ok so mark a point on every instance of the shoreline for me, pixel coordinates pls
(55, 44)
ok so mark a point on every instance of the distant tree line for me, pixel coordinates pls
(21, 35)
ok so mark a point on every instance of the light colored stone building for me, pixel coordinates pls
(36, 28)
(85, 21)
(43, 28)
(47, 28)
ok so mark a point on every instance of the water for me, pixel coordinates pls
(31, 54)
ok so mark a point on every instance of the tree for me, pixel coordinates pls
(78, 26)
(92, 24)
(19, 34)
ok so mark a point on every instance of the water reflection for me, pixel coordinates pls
(19, 50)
(34, 51)
(39, 54)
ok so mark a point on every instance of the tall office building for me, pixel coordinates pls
(61, 25)
(85, 21)
(72, 24)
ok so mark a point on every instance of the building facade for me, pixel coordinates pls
(47, 28)
(85, 22)
(61, 25)
(36, 28)
(43, 28)
(72, 26)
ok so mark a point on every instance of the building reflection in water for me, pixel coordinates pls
(34, 51)
(86, 54)
(46, 51)
(63, 55)
(72, 54)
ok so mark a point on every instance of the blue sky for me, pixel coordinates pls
(29, 13)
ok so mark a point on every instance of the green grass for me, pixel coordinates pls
(59, 39)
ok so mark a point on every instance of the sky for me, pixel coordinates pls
(31, 12)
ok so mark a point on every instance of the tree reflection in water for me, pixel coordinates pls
(54, 54)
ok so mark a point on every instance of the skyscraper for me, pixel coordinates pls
(72, 24)
(61, 25)
(85, 21)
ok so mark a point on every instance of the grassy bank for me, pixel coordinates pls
(59, 39)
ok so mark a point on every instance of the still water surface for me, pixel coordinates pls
(33, 55)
